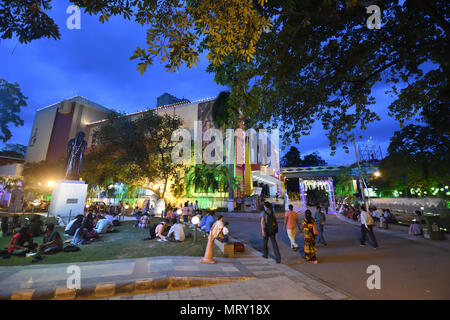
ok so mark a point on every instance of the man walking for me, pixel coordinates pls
(290, 223)
(366, 227)
(319, 219)
(269, 229)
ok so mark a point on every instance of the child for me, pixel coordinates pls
(225, 232)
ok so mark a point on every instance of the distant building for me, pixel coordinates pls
(56, 124)
(166, 99)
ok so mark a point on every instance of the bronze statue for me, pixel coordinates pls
(75, 150)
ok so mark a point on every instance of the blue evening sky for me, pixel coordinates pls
(94, 62)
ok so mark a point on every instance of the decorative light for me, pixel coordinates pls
(195, 220)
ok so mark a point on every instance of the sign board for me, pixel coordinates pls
(250, 204)
(257, 190)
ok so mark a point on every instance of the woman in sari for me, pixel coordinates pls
(309, 228)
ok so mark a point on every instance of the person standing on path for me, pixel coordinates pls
(310, 230)
(366, 227)
(319, 219)
(269, 229)
(291, 222)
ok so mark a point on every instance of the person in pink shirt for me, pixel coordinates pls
(186, 212)
(290, 224)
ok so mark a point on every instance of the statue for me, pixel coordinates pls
(75, 150)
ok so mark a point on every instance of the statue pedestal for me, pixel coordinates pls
(68, 198)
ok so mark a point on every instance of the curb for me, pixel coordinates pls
(106, 290)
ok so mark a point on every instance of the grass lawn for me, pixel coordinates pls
(126, 244)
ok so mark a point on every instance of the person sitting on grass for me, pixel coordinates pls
(144, 222)
(138, 218)
(83, 236)
(89, 221)
(103, 225)
(36, 226)
(162, 229)
(52, 241)
(17, 245)
(73, 225)
(176, 232)
(209, 221)
(203, 220)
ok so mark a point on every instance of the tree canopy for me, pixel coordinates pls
(135, 151)
(418, 159)
(292, 158)
(289, 63)
(11, 101)
(320, 62)
(14, 150)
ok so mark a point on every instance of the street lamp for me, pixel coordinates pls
(377, 174)
(179, 212)
(195, 220)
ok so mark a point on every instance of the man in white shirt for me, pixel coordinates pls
(176, 232)
(366, 227)
(376, 214)
(102, 225)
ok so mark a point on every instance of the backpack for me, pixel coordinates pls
(271, 226)
(71, 248)
(369, 219)
(239, 247)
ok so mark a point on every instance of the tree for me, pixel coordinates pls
(27, 20)
(14, 150)
(343, 184)
(292, 158)
(11, 100)
(175, 27)
(320, 62)
(292, 63)
(313, 159)
(418, 157)
(136, 151)
(36, 177)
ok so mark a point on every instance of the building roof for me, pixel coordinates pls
(161, 108)
(82, 100)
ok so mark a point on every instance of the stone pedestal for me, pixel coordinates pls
(68, 198)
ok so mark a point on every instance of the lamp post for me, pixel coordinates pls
(360, 178)
(195, 220)
(179, 212)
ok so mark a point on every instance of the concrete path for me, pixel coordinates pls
(411, 267)
(247, 276)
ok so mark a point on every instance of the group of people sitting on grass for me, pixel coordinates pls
(22, 243)
(172, 228)
(86, 229)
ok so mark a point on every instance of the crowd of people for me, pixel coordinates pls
(383, 217)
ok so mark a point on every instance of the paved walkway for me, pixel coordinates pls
(247, 276)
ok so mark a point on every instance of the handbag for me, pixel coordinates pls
(315, 232)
